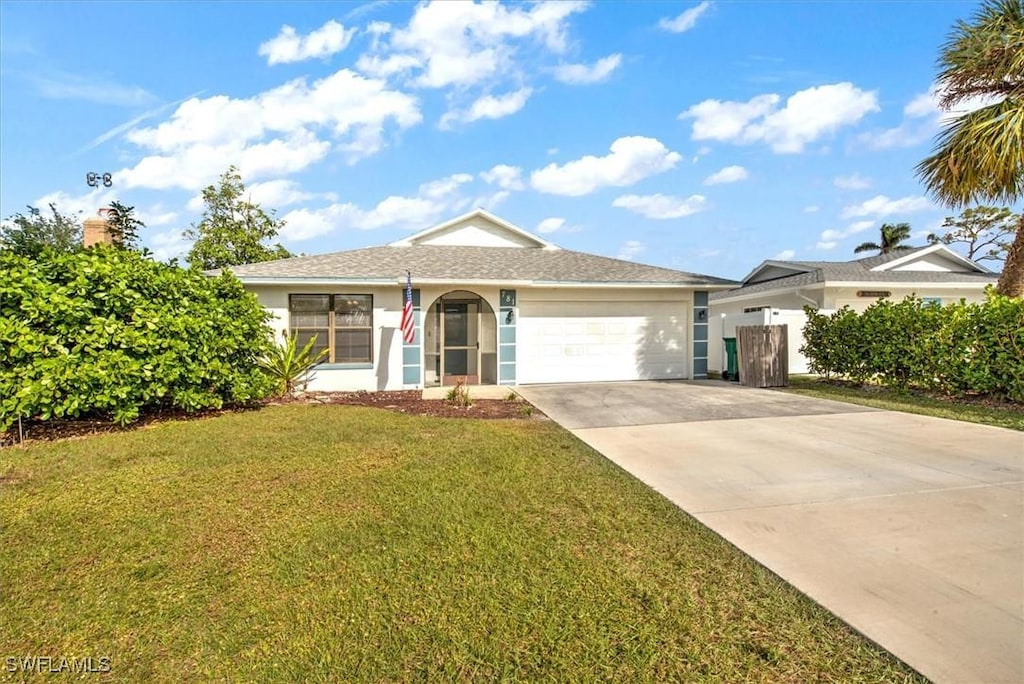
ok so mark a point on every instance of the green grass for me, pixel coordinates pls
(1003, 415)
(315, 543)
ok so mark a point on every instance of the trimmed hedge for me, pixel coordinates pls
(958, 349)
(110, 333)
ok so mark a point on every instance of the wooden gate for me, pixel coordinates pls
(763, 355)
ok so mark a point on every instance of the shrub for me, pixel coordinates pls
(459, 396)
(291, 368)
(110, 333)
(957, 349)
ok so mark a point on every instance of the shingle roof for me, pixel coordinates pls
(858, 270)
(459, 263)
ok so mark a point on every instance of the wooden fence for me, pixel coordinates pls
(763, 355)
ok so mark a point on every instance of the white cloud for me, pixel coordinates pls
(631, 159)
(462, 43)
(287, 46)
(550, 225)
(685, 21)
(63, 85)
(278, 193)
(880, 205)
(395, 211)
(807, 116)
(922, 119)
(433, 199)
(717, 120)
(444, 187)
(583, 74)
(155, 216)
(730, 174)
(785, 255)
(170, 244)
(660, 206)
(484, 201)
(86, 204)
(852, 182)
(504, 176)
(811, 209)
(273, 133)
(488, 107)
(630, 250)
(830, 238)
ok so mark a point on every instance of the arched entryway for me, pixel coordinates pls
(460, 341)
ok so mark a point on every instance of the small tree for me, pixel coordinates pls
(892, 238)
(124, 225)
(28, 235)
(233, 230)
(985, 232)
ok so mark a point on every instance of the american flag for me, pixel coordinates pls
(408, 324)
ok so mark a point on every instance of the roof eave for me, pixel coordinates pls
(504, 282)
(875, 284)
(742, 296)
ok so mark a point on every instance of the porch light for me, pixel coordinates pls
(509, 317)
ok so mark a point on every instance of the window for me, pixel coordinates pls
(342, 324)
(931, 301)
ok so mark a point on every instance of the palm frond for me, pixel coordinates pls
(867, 247)
(979, 157)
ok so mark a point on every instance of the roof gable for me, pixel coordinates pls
(475, 229)
(772, 270)
(936, 258)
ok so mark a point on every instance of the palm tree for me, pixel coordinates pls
(892, 236)
(979, 156)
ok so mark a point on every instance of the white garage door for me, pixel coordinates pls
(595, 341)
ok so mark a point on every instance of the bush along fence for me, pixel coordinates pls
(111, 334)
(957, 349)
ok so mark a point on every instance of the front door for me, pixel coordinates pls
(461, 346)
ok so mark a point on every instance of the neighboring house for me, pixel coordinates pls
(777, 291)
(494, 304)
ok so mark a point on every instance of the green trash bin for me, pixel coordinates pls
(732, 366)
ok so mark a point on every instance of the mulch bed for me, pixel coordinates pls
(404, 401)
(410, 401)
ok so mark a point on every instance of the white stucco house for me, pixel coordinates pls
(494, 304)
(776, 291)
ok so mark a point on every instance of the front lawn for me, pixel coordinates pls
(997, 414)
(319, 543)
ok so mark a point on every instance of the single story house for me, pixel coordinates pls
(493, 304)
(776, 291)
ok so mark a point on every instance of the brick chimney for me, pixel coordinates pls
(96, 230)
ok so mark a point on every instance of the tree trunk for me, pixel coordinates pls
(1011, 282)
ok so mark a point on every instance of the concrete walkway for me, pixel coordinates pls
(909, 528)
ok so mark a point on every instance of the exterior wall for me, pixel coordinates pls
(836, 297)
(397, 365)
(385, 373)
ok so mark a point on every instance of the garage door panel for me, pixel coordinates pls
(598, 341)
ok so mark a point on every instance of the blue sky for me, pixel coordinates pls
(704, 137)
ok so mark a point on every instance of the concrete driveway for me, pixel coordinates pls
(909, 528)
